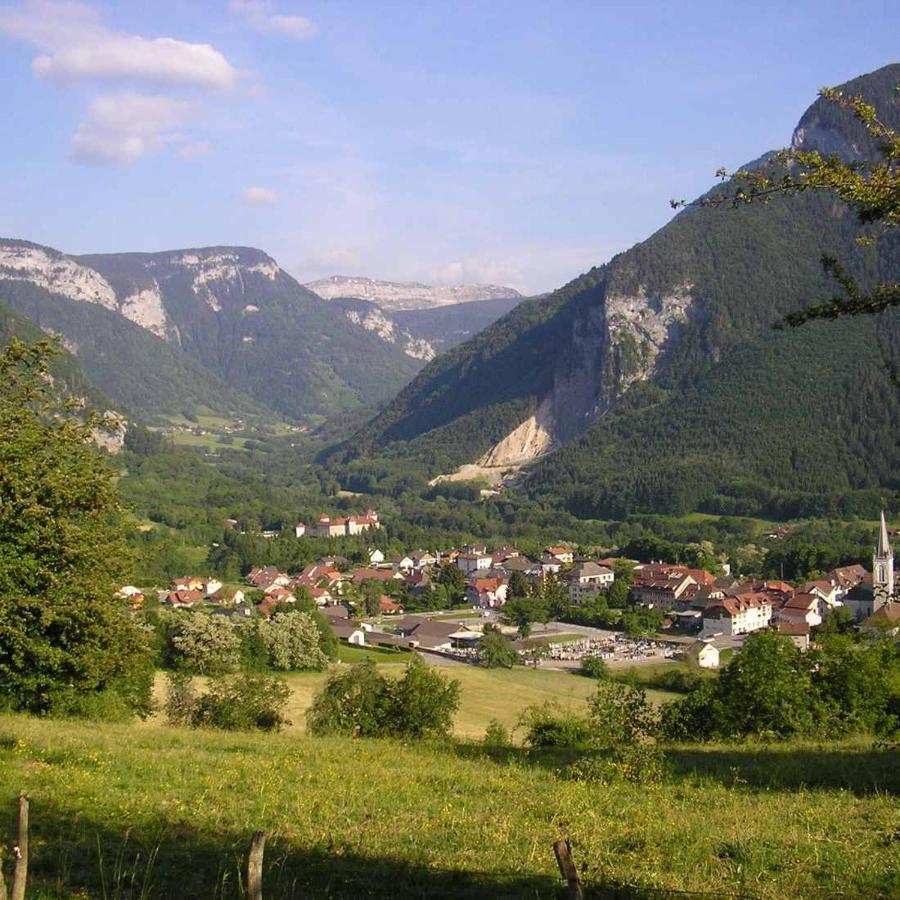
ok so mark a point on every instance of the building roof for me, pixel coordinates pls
(793, 629)
(883, 549)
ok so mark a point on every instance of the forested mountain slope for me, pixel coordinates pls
(659, 373)
(210, 316)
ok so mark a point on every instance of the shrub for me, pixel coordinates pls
(496, 734)
(181, 699)
(621, 715)
(594, 667)
(547, 725)
(421, 703)
(636, 763)
(362, 703)
(350, 703)
(243, 702)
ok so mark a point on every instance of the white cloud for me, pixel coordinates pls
(260, 16)
(259, 196)
(122, 128)
(77, 46)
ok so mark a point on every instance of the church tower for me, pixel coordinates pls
(883, 568)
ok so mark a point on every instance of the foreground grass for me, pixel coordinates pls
(124, 811)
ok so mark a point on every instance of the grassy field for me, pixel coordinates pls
(123, 811)
(485, 694)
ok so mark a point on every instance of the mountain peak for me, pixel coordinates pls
(406, 294)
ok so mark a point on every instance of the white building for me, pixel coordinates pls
(737, 615)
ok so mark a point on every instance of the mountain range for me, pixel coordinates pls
(656, 382)
(396, 295)
(217, 329)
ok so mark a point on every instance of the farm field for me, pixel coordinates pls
(151, 811)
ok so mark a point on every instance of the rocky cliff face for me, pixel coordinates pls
(406, 295)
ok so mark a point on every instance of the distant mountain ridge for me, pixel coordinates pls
(397, 295)
(226, 316)
(638, 373)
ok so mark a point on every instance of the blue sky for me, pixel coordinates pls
(513, 142)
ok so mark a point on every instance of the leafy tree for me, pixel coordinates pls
(352, 703)
(495, 650)
(450, 576)
(496, 734)
(621, 715)
(548, 725)
(524, 611)
(65, 641)
(205, 644)
(422, 703)
(518, 586)
(363, 703)
(292, 641)
(617, 596)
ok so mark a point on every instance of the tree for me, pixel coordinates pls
(617, 596)
(594, 667)
(518, 586)
(363, 703)
(767, 688)
(66, 644)
(451, 577)
(524, 611)
(621, 715)
(350, 703)
(205, 644)
(870, 187)
(243, 702)
(422, 703)
(495, 651)
(292, 641)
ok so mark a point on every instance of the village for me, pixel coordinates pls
(387, 603)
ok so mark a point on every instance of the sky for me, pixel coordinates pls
(516, 143)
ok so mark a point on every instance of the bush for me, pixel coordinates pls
(594, 667)
(243, 702)
(621, 715)
(547, 725)
(496, 734)
(636, 763)
(363, 703)
(181, 699)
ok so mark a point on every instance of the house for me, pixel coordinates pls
(429, 634)
(798, 632)
(473, 561)
(737, 615)
(402, 563)
(388, 607)
(704, 653)
(502, 554)
(188, 583)
(531, 570)
(803, 607)
(336, 613)
(299, 529)
(362, 575)
(279, 594)
(345, 630)
(317, 575)
(134, 595)
(376, 556)
(661, 587)
(212, 586)
(885, 621)
(486, 592)
(424, 559)
(588, 579)
(562, 554)
(847, 577)
(184, 598)
(230, 523)
(417, 582)
(550, 565)
(359, 524)
(826, 591)
(267, 576)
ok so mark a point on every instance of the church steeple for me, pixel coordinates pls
(883, 567)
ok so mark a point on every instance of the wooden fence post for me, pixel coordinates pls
(255, 865)
(21, 871)
(563, 851)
